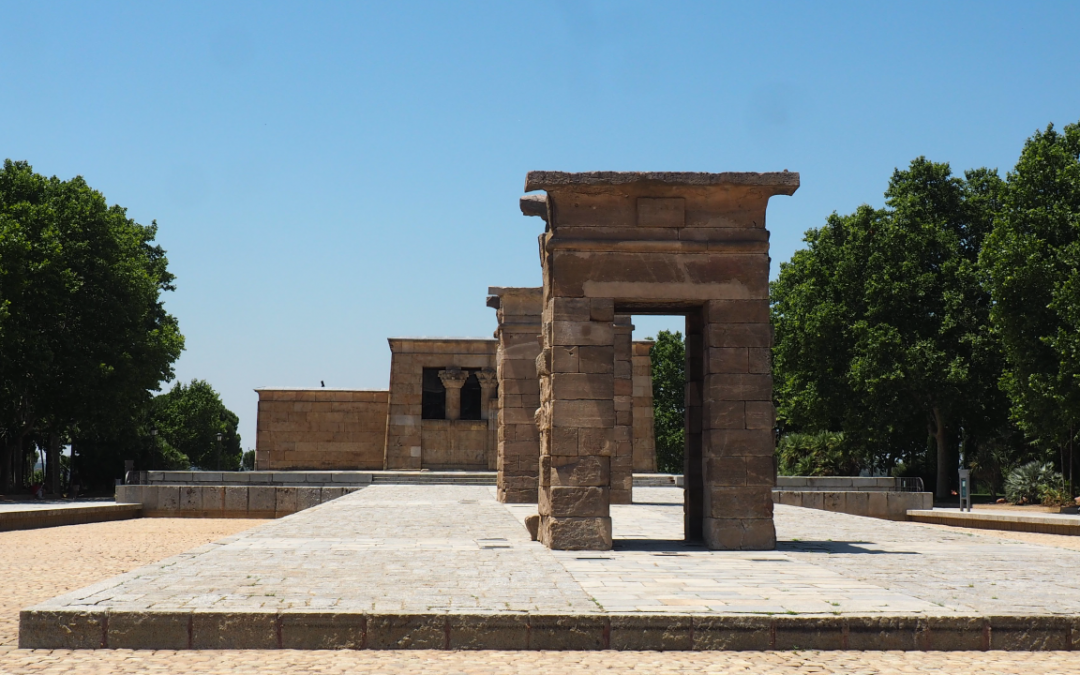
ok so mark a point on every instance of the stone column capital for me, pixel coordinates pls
(453, 377)
(488, 378)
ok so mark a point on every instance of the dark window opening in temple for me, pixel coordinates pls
(470, 396)
(434, 396)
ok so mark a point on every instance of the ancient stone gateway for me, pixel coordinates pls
(691, 244)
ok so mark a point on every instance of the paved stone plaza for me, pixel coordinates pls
(70, 557)
(425, 551)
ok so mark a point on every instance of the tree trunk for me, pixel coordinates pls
(52, 463)
(5, 466)
(941, 490)
(20, 464)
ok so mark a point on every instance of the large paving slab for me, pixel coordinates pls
(445, 566)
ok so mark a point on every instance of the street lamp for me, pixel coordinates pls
(219, 451)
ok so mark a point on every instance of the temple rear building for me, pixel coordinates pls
(443, 406)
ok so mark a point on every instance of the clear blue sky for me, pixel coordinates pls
(325, 175)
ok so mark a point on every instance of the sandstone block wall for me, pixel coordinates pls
(518, 311)
(644, 430)
(693, 244)
(405, 428)
(320, 429)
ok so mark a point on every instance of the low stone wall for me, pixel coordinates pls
(226, 501)
(838, 483)
(66, 514)
(293, 478)
(874, 504)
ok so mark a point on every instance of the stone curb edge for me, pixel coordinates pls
(39, 518)
(98, 629)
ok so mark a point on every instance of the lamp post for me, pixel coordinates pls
(219, 451)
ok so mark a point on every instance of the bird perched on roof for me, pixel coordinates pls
(322, 383)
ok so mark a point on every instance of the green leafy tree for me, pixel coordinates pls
(882, 326)
(668, 355)
(1033, 258)
(820, 454)
(189, 418)
(84, 336)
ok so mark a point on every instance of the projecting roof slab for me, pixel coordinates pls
(784, 182)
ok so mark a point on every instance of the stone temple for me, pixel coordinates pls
(560, 401)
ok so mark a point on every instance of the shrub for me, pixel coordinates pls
(820, 454)
(1055, 496)
(1026, 484)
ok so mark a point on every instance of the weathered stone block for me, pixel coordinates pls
(64, 629)
(735, 502)
(733, 534)
(580, 471)
(487, 631)
(322, 630)
(307, 497)
(576, 534)
(729, 360)
(578, 502)
(596, 359)
(572, 386)
(190, 498)
(236, 498)
(760, 471)
(892, 633)
(148, 630)
(738, 443)
(726, 471)
(739, 335)
(732, 633)
(571, 309)
(600, 442)
(566, 632)
(760, 360)
(733, 387)
(404, 631)
(661, 212)
(651, 633)
(602, 309)
(858, 503)
(261, 499)
(760, 415)
(725, 312)
(213, 498)
(1040, 633)
(234, 630)
(583, 413)
(835, 501)
(532, 524)
(955, 633)
(582, 333)
(824, 633)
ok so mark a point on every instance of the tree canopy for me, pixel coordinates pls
(1033, 263)
(84, 335)
(668, 355)
(189, 418)
(882, 323)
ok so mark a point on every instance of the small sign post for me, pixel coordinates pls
(965, 489)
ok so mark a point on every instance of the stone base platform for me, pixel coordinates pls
(634, 632)
(448, 567)
(1043, 523)
(29, 516)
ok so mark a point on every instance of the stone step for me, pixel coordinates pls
(93, 628)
